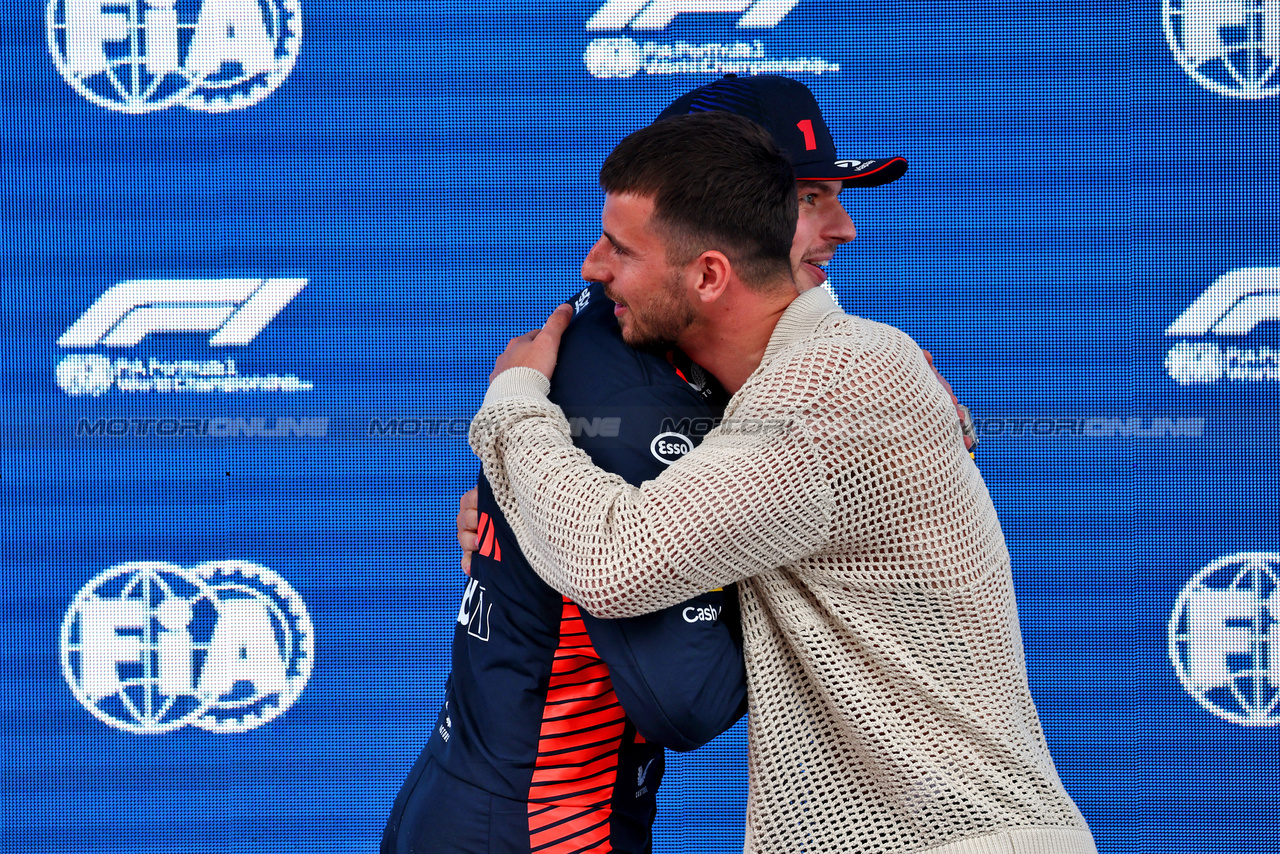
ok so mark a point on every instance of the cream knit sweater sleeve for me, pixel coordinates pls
(750, 498)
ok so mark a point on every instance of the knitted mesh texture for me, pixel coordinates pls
(888, 697)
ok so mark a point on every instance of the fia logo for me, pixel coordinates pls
(140, 56)
(1222, 641)
(151, 647)
(234, 310)
(1231, 308)
(1231, 47)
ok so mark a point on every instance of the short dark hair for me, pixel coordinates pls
(718, 181)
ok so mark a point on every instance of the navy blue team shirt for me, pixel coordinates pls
(552, 708)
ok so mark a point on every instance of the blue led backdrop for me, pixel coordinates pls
(259, 256)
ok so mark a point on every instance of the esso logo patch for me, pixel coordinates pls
(669, 447)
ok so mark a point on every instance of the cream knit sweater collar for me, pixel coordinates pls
(801, 319)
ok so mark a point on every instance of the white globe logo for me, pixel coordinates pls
(612, 58)
(138, 56)
(1222, 641)
(1195, 362)
(150, 647)
(85, 373)
(1231, 47)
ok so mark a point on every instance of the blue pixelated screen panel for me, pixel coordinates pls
(259, 256)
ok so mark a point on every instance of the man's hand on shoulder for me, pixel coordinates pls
(966, 419)
(537, 349)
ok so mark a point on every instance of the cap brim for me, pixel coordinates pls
(854, 173)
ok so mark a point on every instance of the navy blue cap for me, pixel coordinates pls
(787, 109)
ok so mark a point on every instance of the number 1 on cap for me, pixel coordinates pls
(806, 128)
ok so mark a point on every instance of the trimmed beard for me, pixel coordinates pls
(666, 316)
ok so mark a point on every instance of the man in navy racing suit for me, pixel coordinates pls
(532, 750)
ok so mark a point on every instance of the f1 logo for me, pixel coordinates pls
(657, 14)
(1233, 305)
(234, 310)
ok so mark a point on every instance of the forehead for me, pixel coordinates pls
(627, 206)
(626, 218)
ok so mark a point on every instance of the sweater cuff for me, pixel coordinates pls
(517, 382)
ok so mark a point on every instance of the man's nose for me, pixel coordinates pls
(592, 269)
(840, 226)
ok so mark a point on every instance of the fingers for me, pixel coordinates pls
(967, 428)
(467, 539)
(537, 349)
(507, 356)
(468, 520)
(547, 343)
(928, 357)
(558, 322)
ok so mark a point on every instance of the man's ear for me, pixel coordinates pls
(711, 272)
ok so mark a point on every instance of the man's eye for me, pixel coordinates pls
(809, 199)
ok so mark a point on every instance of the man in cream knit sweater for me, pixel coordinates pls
(889, 707)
